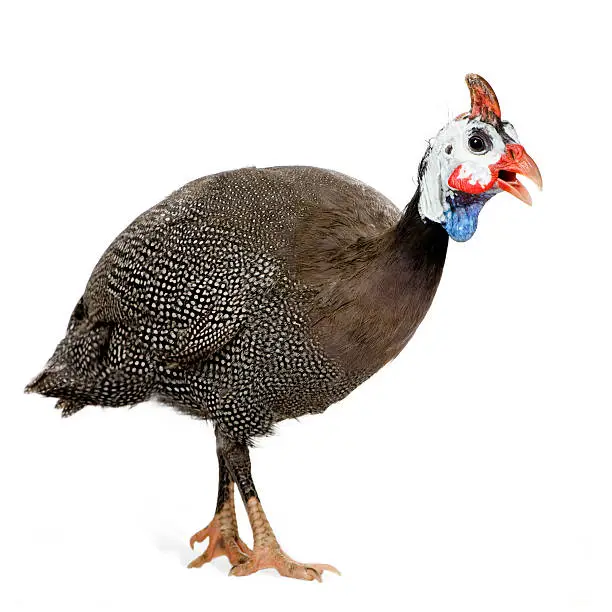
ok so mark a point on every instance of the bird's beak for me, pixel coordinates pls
(516, 161)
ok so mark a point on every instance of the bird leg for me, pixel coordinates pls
(222, 532)
(267, 552)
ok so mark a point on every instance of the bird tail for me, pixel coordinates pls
(46, 384)
(89, 367)
(76, 359)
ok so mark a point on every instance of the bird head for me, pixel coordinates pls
(474, 157)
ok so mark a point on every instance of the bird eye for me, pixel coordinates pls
(477, 143)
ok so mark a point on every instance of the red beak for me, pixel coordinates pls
(515, 161)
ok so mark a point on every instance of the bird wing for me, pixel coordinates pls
(184, 288)
(186, 275)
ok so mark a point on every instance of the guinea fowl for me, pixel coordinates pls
(257, 295)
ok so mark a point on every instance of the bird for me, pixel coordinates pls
(257, 295)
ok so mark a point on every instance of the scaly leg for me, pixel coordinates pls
(266, 550)
(222, 531)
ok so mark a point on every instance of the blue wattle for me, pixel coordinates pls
(461, 218)
(461, 223)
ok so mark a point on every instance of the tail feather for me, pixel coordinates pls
(90, 366)
(45, 385)
(68, 407)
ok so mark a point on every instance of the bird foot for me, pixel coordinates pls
(274, 557)
(221, 541)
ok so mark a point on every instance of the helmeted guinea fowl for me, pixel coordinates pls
(257, 295)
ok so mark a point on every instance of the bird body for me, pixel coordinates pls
(257, 295)
(249, 297)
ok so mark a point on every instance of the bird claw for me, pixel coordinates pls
(284, 565)
(219, 544)
(200, 536)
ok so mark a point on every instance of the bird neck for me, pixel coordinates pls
(398, 274)
(418, 240)
(371, 295)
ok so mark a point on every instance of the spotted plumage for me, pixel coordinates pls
(201, 303)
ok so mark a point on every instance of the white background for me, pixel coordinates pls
(473, 473)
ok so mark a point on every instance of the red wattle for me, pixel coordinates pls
(467, 184)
